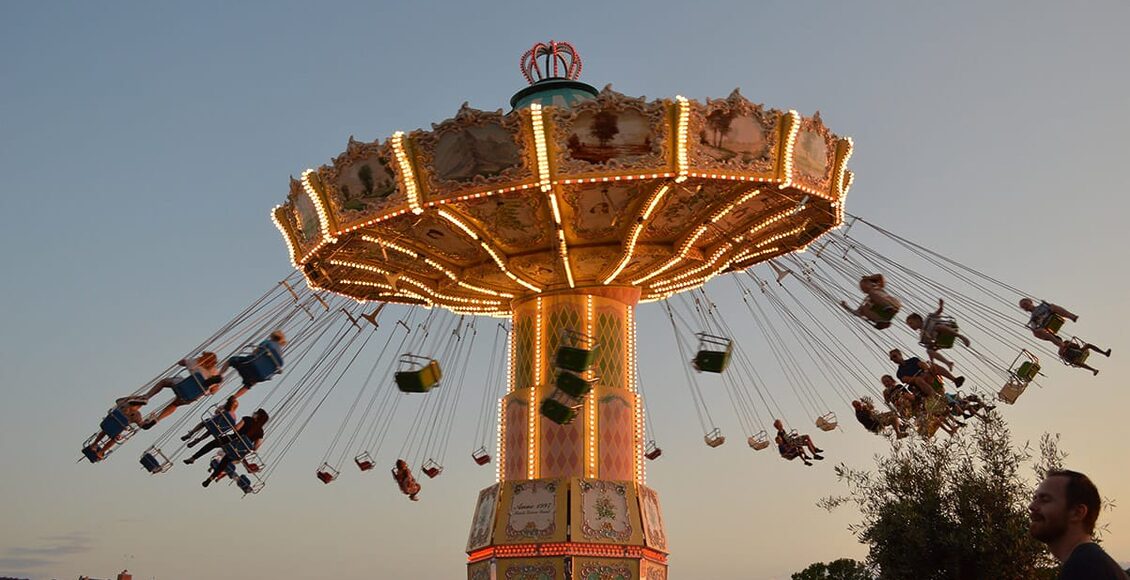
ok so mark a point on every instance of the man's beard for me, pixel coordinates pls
(1046, 530)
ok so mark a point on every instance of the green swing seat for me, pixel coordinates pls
(1022, 371)
(1027, 370)
(713, 354)
(558, 412)
(421, 379)
(574, 358)
(572, 384)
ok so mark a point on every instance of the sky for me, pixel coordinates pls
(142, 145)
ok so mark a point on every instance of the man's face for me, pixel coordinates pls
(1048, 514)
(896, 356)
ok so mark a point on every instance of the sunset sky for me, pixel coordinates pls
(143, 144)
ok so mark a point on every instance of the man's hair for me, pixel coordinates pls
(914, 316)
(1081, 491)
(263, 416)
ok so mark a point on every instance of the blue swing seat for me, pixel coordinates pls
(91, 453)
(114, 423)
(238, 447)
(264, 362)
(154, 461)
(220, 424)
(190, 388)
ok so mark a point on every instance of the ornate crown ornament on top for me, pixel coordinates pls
(556, 56)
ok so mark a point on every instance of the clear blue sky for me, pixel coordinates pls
(142, 145)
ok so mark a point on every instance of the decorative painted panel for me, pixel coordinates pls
(655, 533)
(604, 569)
(483, 523)
(479, 571)
(531, 569)
(361, 184)
(604, 512)
(474, 151)
(734, 135)
(532, 511)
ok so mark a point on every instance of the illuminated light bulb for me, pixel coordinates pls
(532, 417)
(556, 210)
(685, 247)
(404, 167)
(291, 250)
(458, 223)
(790, 142)
(316, 198)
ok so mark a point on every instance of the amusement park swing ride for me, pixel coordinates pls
(547, 226)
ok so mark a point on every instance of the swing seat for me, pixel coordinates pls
(154, 461)
(1054, 323)
(221, 424)
(264, 362)
(248, 485)
(326, 473)
(1027, 371)
(558, 412)
(91, 453)
(480, 456)
(1011, 391)
(827, 421)
(944, 340)
(759, 440)
(932, 337)
(364, 461)
(431, 468)
(229, 467)
(884, 313)
(711, 361)
(574, 358)
(253, 463)
(190, 388)
(713, 353)
(420, 380)
(573, 384)
(714, 438)
(239, 447)
(1079, 359)
(114, 423)
(576, 353)
(652, 451)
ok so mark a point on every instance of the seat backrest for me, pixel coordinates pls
(114, 423)
(238, 446)
(190, 388)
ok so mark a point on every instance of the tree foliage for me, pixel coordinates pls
(842, 569)
(605, 126)
(953, 508)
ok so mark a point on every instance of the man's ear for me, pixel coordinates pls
(1078, 513)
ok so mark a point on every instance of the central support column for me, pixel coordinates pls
(570, 501)
(605, 439)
